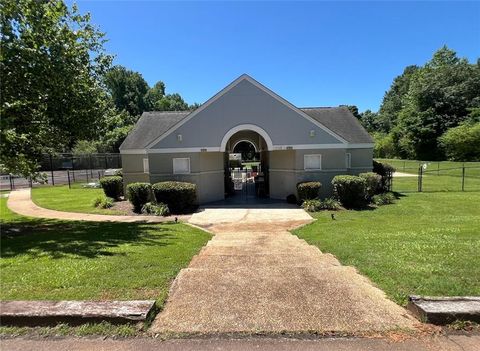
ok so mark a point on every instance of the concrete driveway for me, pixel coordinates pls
(256, 277)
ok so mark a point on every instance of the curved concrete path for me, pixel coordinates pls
(256, 277)
(19, 201)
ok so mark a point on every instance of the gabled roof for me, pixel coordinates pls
(154, 126)
(340, 121)
(150, 126)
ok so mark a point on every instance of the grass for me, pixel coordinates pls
(425, 244)
(76, 199)
(66, 260)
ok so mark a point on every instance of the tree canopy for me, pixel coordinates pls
(52, 63)
(425, 102)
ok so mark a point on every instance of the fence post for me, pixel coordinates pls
(463, 177)
(438, 168)
(30, 183)
(91, 166)
(420, 174)
(68, 177)
(98, 175)
(10, 179)
(86, 173)
(51, 169)
(106, 162)
(73, 169)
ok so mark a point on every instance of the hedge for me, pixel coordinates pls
(373, 184)
(112, 186)
(349, 190)
(138, 194)
(308, 190)
(386, 172)
(180, 197)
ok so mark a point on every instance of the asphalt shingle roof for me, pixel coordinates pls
(152, 125)
(340, 121)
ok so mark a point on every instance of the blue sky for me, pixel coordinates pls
(311, 53)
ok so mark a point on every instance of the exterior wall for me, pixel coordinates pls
(206, 171)
(246, 104)
(132, 167)
(361, 160)
(287, 169)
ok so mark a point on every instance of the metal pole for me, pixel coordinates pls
(463, 178)
(68, 177)
(438, 168)
(73, 169)
(30, 183)
(106, 162)
(98, 175)
(10, 179)
(91, 166)
(420, 173)
(51, 170)
(86, 173)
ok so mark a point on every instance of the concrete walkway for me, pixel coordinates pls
(254, 276)
(20, 202)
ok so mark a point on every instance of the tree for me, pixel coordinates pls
(127, 90)
(154, 95)
(462, 143)
(115, 130)
(393, 100)
(369, 120)
(440, 96)
(52, 63)
(171, 102)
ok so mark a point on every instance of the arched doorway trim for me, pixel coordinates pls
(241, 127)
(257, 148)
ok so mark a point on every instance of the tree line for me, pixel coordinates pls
(59, 89)
(430, 112)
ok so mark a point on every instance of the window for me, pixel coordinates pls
(312, 162)
(145, 165)
(181, 165)
(348, 160)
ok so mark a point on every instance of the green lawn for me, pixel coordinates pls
(425, 244)
(57, 260)
(76, 199)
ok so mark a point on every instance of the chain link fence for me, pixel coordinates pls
(434, 176)
(61, 169)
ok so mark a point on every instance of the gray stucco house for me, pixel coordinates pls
(294, 144)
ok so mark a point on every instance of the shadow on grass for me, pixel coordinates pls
(57, 239)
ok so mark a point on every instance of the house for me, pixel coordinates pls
(293, 144)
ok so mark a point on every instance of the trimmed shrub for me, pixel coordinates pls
(308, 190)
(138, 194)
(373, 184)
(312, 205)
(112, 186)
(155, 209)
(327, 204)
(330, 204)
(383, 199)
(349, 190)
(386, 172)
(102, 202)
(291, 199)
(180, 197)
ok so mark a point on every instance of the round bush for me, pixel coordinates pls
(180, 197)
(349, 190)
(112, 186)
(373, 184)
(138, 194)
(308, 190)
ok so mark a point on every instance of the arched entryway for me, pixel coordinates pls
(246, 150)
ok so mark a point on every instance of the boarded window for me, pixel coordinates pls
(181, 165)
(312, 162)
(145, 165)
(348, 160)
